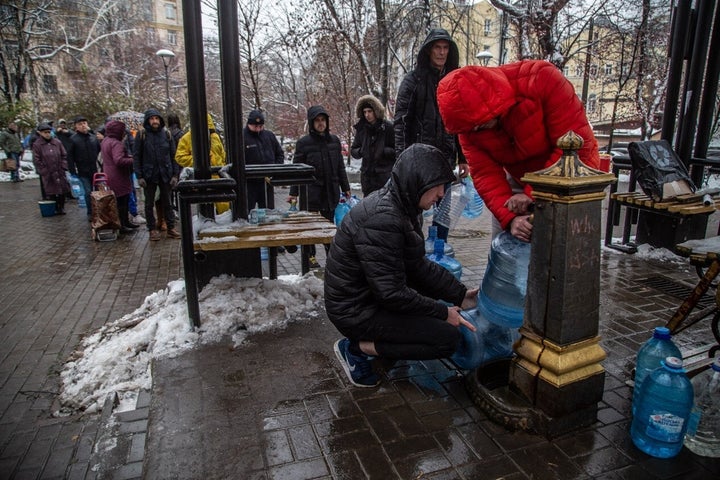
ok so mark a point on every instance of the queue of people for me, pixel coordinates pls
(381, 292)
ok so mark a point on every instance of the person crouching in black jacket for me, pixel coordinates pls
(381, 292)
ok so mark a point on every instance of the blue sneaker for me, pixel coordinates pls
(358, 368)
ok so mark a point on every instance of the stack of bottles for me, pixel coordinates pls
(650, 357)
(430, 243)
(501, 304)
(703, 433)
(449, 263)
(663, 409)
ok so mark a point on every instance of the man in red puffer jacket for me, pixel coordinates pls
(509, 119)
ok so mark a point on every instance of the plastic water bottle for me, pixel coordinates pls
(341, 210)
(77, 190)
(475, 205)
(488, 342)
(264, 255)
(293, 205)
(649, 357)
(663, 410)
(430, 243)
(502, 296)
(449, 263)
(703, 433)
(354, 200)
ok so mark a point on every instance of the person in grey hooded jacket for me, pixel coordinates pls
(381, 291)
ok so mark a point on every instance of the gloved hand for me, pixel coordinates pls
(174, 182)
(142, 182)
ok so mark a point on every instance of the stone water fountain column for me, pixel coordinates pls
(555, 382)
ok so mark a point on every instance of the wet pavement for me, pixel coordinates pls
(280, 407)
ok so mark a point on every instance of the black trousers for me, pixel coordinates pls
(408, 337)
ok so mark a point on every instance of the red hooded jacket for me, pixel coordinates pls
(534, 104)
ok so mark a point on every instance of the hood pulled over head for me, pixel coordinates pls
(114, 129)
(372, 102)
(453, 58)
(314, 112)
(473, 95)
(152, 112)
(419, 168)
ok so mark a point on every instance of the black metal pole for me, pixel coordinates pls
(693, 89)
(167, 88)
(678, 42)
(232, 100)
(710, 89)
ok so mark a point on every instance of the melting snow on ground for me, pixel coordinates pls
(118, 356)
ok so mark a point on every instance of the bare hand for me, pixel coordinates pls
(455, 319)
(470, 300)
(463, 169)
(521, 228)
(519, 203)
(142, 182)
(291, 198)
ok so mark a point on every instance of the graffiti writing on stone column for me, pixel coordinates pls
(582, 255)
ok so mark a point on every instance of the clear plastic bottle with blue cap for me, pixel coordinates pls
(651, 354)
(663, 410)
(430, 243)
(703, 433)
(449, 263)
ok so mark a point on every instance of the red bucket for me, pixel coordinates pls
(605, 162)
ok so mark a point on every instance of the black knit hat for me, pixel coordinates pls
(256, 117)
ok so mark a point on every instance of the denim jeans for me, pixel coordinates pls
(88, 187)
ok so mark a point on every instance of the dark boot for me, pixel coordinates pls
(59, 204)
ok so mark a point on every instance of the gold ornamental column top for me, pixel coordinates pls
(569, 175)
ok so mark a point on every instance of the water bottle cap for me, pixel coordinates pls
(716, 365)
(673, 363)
(661, 333)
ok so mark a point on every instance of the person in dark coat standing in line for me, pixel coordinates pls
(381, 291)
(155, 168)
(82, 157)
(11, 144)
(261, 148)
(374, 142)
(118, 166)
(323, 151)
(417, 116)
(50, 160)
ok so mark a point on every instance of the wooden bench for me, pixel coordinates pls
(301, 228)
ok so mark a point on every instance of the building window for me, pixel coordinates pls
(49, 84)
(566, 71)
(591, 103)
(172, 37)
(150, 34)
(593, 70)
(170, 11)
(578, 70)
(487, 27)
(608, 69)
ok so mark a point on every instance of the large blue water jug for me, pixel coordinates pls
(430, 243)
(663, 410)
(502, 296)
(449, 263)
(650, 356)
(488, 342)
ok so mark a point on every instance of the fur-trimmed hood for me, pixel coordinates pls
(372, 102)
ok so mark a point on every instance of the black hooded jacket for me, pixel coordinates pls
(377, 258)
(375, 144)
(417, 117)
(324, 153)
(154, 152)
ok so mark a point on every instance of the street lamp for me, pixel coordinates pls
(166, 56)
(484, 57)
